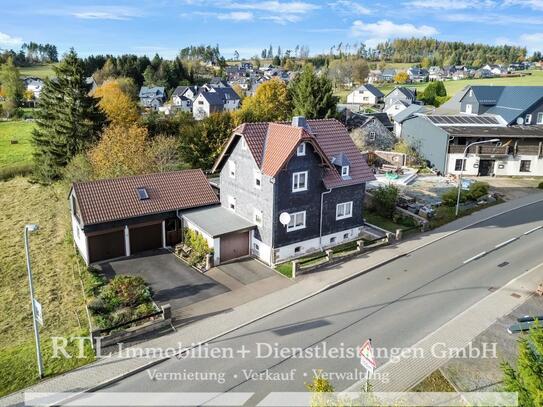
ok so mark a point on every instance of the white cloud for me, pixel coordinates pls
(450, 4)
(534, 4)
(236, 16)
(385, 29)
(491, 18)
(347, 7)
(278, 7)
(8, 40)
(101, 13)
(532, 41)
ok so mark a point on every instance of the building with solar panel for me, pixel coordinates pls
(511, 114)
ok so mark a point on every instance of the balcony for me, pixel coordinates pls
(479, 150)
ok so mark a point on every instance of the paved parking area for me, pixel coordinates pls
(173, 282)
(247, 271)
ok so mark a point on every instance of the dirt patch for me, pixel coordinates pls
(484, 373)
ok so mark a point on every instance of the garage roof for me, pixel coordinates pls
(114, 199)
(217, 220)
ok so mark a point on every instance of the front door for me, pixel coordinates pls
(173, 232)
(486, 168)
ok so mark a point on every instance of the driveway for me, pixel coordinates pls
(172, 281)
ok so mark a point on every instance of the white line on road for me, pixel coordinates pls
(477, 256)
(506, 242)
(533, 230)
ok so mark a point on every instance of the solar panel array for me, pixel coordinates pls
(462, 120)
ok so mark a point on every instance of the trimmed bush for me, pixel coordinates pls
(199, 246)
(540, 186)
(126, 291)
(385, 199)
(477, 190)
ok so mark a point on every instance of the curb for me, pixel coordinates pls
(322, 289)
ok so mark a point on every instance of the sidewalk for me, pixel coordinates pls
(106, 370)
(456, 334)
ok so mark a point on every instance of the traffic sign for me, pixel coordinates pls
(38, 312)
(366, 356)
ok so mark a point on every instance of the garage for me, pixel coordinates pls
(234, 245)
(147, 237)
(106, 246)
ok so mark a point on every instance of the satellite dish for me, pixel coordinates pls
(520, 121)
(284, 218)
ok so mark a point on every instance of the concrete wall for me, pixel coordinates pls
(431, 141)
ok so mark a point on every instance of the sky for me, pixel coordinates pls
(248, 26)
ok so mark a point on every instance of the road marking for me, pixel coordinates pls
(477, 256)
(533, 230)
(506, 242)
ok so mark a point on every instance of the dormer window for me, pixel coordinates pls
(301, 150)
(345, 171)
(142, 194)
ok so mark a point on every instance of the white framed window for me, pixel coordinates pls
(258, 179)
(344, 210)
(256, 249)
(372, 136)
(232, 203)
(540, 118)
(257, 217)
(297, 221)
(299, 181)
(300, 151)
(243, 143)
(528, 119)
(345, 171)
(232, 169)
(471, 93)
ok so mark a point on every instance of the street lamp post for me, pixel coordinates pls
(464, 158)
(32, 228)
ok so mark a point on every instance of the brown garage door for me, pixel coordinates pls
(145, 238)
(234, 245)
(106, 246)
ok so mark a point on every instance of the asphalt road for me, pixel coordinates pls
(396, 305)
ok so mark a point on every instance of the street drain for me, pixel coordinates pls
(505, 263)
(515, 295)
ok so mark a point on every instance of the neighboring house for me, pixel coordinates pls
(495, 69)
(246, 65)
(366, 95)
(389, 74)
(301, 184)
(368, 132)
(216, 82)
(375, 76)
(410, 111)
(442, 141)
(483, 73)
(514, 104)
(396, 107)
(123, 216)
(152, 97)
(34, 85)
(214, 101)
(436, 73)
(183, 97)
(400, 93)
(418, 74)
(459, 75)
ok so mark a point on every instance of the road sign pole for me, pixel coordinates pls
(34, 320)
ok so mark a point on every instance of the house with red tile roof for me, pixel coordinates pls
(286, 189)
(301, 183)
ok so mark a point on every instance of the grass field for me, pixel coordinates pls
(15, 154)
(56, 281)
(535, 79)
(40, 71)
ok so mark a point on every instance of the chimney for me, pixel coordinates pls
(299, 121)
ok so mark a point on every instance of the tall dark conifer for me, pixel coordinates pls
(313, 95)
(68, 119)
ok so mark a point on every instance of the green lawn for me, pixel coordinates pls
(40, 71)
(56, 281)
(384, 223)
(15, 154)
